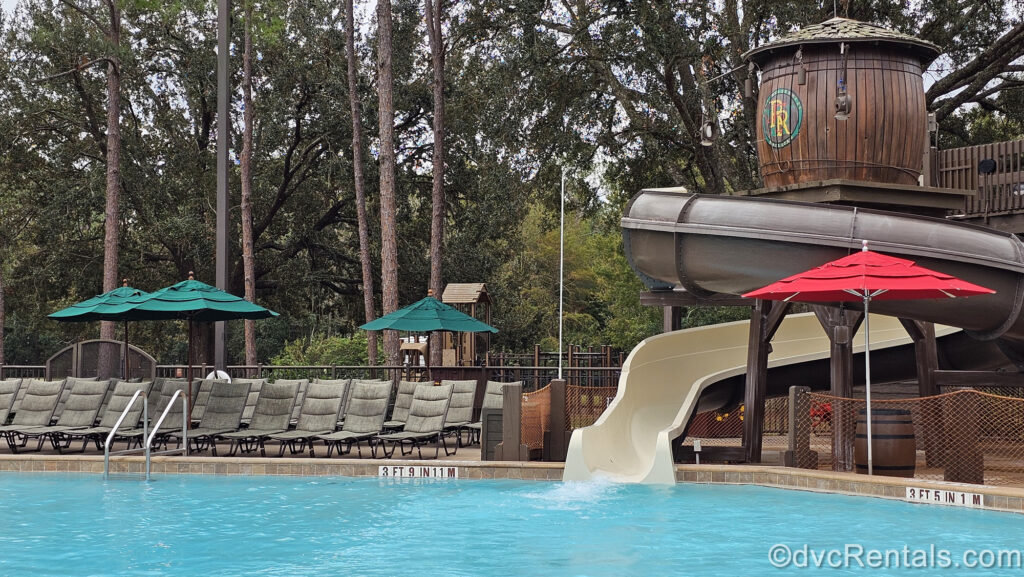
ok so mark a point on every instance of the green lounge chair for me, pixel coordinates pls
(400, 413)
(36, 408)
(364, 418)
(460, 410)
(123, 392)
(317, 416)
(8, 394)
(426, 421)
(272, 414)
(79, 411)
(223, 414)
(493, 399)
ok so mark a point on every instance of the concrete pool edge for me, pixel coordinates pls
(1009, 499)
(996, 498)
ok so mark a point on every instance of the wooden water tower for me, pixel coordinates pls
(842, 118)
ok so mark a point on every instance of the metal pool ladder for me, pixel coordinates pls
(147, 436)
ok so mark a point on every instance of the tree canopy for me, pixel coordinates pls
(611, 92)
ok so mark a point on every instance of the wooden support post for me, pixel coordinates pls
(840, 325)
(511, 447)
(765, 319)
(927, 358)
(559, 439)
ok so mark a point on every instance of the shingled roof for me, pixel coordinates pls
(845, 30)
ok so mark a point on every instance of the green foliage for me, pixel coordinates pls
(345, 351)
(612, 91)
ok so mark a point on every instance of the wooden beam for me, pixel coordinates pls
(977, 379)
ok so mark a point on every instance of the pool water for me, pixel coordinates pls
(203, 525)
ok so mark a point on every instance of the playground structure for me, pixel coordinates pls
(843, 145)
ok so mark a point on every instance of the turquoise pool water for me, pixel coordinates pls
(191, 525)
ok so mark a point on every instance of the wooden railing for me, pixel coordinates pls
(1001, 192)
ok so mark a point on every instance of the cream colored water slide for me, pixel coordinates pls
(662, 381)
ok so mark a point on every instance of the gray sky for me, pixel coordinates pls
(8, 5)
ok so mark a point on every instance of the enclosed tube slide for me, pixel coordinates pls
(711, 245)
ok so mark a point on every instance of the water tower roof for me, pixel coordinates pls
(845, 30)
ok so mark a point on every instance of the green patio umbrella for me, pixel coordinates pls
(192, 300)
(109, 306)
(429, 315)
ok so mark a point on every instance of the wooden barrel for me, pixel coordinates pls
(894, 449)
(883, 139)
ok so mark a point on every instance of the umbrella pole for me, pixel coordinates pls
(188, 402)
(126, 350)
(867, 377)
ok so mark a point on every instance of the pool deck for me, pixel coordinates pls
(1008, 499)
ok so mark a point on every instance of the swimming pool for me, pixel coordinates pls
(208, 525)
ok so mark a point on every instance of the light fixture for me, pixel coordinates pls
(801, 72)
(843, 103)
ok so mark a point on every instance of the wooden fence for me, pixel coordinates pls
(1001, 192)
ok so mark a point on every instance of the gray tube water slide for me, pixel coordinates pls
(708, 244)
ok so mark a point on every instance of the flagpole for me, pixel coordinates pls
(561, 271)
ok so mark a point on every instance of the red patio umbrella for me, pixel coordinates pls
(864, 276)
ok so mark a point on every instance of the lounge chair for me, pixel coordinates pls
(134, 437)
(36, 408)
(347, 383)
(69, 385)
(205, 389)
(364, 419)
(79, 412)
(272, 413)
(317, 416)
(493, 399)
(400, 413)
(123, 392)
(8, 394)
(299, 397)
(223, 414)
(426, 421)
(255, 386)
(460, 410)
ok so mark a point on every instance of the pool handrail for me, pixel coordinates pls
(184, 429)
(117, 425)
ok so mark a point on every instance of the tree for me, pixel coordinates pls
(388, 226)
(248, 258)
(357, 173)
(433, 12)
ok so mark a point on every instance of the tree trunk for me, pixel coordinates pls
(3, 316)
(388, 232)
(248, 258)
(433, 14)
(111, 233)
(357, 169)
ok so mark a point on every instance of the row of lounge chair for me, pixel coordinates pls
(246, 414)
